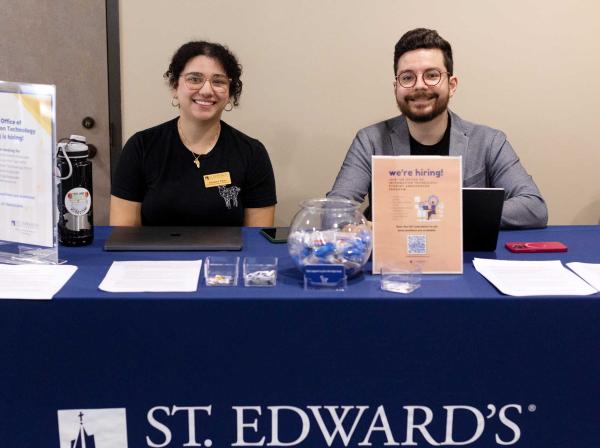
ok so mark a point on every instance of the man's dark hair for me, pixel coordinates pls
(216, 51)
(423, 38)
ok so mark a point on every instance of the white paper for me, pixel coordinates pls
(26, 170)
(590, 272)
(33, 281)
(532, 278)
(152, 276)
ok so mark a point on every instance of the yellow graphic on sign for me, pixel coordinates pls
(40, 107)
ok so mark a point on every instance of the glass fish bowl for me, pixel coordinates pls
(330, 231)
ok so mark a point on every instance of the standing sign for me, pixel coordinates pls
(27, 161)
(417, 213)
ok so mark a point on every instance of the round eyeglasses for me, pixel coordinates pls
(195, 81)
(431, 77)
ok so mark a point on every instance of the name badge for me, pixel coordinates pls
(217, 179)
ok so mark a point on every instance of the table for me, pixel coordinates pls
(454, 362)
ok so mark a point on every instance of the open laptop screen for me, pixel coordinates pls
(482, 212)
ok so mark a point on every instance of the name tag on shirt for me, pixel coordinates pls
(217, 179)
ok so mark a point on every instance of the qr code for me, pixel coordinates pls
(416, 244)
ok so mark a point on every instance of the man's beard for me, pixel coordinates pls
(439, 107)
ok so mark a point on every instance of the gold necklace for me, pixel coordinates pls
(188, 144)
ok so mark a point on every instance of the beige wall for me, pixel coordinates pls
(315, 71)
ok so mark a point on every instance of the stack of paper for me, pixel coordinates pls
(152, 276)
(590, 272)
(33, 281)
(532, 278)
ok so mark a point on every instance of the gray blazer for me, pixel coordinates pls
(488, 160)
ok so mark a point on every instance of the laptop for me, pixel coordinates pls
(167, 238)
(482, 211)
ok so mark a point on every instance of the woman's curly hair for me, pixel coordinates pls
(216, 51)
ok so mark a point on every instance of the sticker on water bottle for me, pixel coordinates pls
(78, 201)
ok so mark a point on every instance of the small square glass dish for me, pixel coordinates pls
(402, 279)
(221, 271)
(260, 271)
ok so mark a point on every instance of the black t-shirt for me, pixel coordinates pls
(157, 170)
(441, 148)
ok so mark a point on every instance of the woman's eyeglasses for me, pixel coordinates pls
(195, 81)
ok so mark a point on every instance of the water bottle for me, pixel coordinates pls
(75, 221)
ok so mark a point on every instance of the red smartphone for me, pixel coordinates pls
(536, 246)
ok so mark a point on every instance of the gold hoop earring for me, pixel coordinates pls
(174, 102)
(229, 103)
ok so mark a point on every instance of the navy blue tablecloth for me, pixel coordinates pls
(454, 362)
(93, 262)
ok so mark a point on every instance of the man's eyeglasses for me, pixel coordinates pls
(431, 77)
(195, 81)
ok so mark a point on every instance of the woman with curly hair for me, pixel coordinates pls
(196, 170)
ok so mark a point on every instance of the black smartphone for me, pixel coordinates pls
(276, 234)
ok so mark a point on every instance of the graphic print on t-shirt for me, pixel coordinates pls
(230, 195)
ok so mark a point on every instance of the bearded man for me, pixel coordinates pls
(424, 84)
